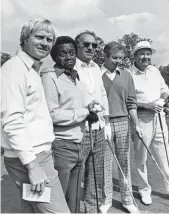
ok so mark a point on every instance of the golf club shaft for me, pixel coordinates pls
(153, 158)
(109, 143)
(165, 145)
(94, 170)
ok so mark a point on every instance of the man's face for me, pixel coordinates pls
(114, 60)
(143, 58)
(39, 43)
(86, 48)
(66, 56)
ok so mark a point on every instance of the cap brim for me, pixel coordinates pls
(153, 50)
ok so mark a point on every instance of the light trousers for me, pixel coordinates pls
(152, 135)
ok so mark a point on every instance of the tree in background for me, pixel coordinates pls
(165, 73)
(99, 53)
(4, 57)
(128, 41)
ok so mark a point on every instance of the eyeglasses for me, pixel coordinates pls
(87, 44)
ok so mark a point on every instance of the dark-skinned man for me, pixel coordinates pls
(67, 105)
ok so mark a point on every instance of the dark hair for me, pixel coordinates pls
(87, 32)
(59, 41)
(113, 46)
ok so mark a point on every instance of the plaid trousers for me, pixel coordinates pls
(89, 185)
(121, 138)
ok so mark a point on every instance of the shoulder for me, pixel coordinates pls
(96, 69)
(125, 72)
(153, 68)
(48, 74)
(15, 63)
(14, 70)
(96, 66)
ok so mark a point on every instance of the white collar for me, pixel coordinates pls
(80, 63)
(136, 70)
(104, 70)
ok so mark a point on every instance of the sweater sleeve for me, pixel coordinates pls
(13, 91)
(60, 116)
(131, 99)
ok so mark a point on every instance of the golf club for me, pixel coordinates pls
(94, 171)
(153, 158)
(165, 145)
(125, 180)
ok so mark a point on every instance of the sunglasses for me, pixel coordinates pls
(87, 44)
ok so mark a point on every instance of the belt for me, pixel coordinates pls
(118, 119)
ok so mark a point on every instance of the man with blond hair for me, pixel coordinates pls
(27, 128)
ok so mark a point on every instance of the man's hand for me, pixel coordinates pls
(156, 106)
(139, 132)
(37, 177)
(107, 132)
(95, 106)
(92, 117)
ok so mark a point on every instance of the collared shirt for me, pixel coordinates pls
(110, 74)
(86, 76)
(27, 127)
(149, 85)
(90, 75)
(71, 74)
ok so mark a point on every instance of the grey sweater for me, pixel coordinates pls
(66, 103)
(121, 93)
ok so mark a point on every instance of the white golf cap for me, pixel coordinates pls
(142, 45)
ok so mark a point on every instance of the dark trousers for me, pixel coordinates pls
(69, 164)
(19, 174)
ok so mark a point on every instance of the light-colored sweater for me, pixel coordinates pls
(66, 103)
(26, 124)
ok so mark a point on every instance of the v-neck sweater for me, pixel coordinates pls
(66, 103)
(121, 94)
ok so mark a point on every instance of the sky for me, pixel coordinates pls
(109, 19)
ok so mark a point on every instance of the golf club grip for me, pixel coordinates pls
(93, 161)
(108, 141)
(145, 145)
(165, 145)
(90, 135)
(159, 117)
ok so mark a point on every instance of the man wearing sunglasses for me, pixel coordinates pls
(90, 74)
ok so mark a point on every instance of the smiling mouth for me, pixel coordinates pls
(42, 50)
(89, 53)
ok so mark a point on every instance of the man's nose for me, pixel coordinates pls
(44, 42)
(90, 46)
(68, 56)
(118, 60)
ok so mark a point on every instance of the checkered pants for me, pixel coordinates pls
(121, 138)
(89, 185)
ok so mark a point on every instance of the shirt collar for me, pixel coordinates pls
(136, 70)
(79, 63)
(104, 70)
(59, 71)
(27, 59)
